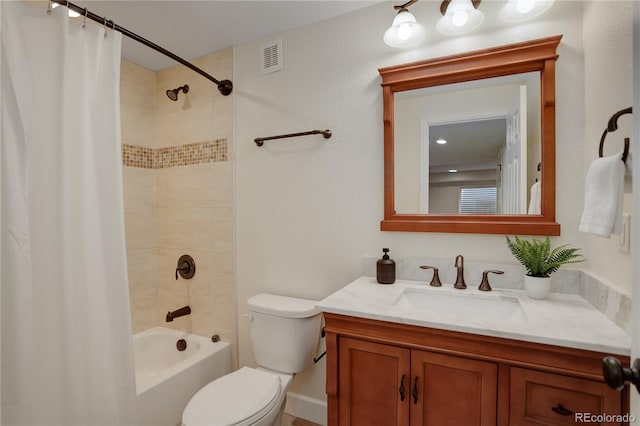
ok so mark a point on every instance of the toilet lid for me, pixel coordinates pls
(233, 398)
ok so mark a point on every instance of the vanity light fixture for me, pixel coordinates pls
(459, 16)
(405, 31)
(522, 10)
(441, 141)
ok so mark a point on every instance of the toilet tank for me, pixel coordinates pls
(285, 332)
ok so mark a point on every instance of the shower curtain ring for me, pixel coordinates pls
(104, 24)
(84, 22)
(49, 8)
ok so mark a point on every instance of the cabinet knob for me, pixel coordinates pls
(414, 392)
(616, 376)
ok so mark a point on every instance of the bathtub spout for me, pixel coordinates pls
(185, 310)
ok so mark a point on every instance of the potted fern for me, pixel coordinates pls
(541, 261)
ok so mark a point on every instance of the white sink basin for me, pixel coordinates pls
(490, 307)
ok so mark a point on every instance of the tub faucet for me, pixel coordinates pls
(459, 264)
(185, 310)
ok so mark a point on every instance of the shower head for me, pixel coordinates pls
(173, 93)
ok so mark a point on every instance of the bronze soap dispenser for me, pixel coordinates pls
(386, 269)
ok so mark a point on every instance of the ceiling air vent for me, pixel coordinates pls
(271, 56)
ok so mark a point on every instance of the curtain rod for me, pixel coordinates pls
(225, 86)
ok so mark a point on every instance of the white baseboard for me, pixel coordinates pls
(306, 408)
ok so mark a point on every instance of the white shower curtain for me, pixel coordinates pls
(66, 346)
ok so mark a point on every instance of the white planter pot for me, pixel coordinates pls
(537, 287)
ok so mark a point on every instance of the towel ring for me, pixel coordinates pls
(612, 126)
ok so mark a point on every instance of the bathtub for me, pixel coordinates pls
(167, 378)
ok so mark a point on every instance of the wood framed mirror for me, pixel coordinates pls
(513, 62)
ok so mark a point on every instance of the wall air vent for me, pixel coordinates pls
(271, 56)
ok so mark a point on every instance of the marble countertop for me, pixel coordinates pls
(562, 319)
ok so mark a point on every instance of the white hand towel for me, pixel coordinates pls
(602, 214)
(535, 199)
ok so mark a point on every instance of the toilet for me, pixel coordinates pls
(285, 332)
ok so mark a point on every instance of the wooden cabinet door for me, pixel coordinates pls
(452, 391)
(539, 398)
(372, 378)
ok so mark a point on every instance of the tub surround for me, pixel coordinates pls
(562, 320)
(178, 184)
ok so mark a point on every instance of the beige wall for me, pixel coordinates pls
(309, 209)
(181, 209)
(608, 76)
(138, 121)
(444, 199)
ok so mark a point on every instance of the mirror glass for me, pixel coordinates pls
(495, 108)
(469, 148)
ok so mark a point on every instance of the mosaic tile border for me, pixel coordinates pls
(174, 156)
(137, 156)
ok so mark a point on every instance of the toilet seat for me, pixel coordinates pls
(239, 398)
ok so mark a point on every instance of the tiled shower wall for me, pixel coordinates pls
(138, 122)
(178, 196)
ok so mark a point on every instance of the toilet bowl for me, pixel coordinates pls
(285, 332)
(248, 396)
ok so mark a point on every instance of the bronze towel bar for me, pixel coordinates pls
(325, 133)
(612, 126)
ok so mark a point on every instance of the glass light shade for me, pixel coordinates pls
(405, 31)
(522, 10)
(461, 17)
(525, 6)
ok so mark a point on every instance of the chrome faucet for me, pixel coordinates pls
(459, 264)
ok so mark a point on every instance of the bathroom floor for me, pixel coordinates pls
(288, 420)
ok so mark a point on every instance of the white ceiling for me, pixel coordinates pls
(191, 29)
(471, 145)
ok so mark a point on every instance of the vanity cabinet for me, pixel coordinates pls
(382, 373)
(383, 384)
